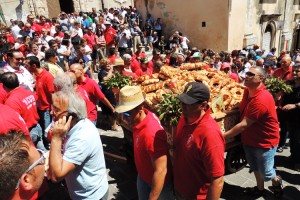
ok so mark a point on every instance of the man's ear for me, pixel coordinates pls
(26, 182)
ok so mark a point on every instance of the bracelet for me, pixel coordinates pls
(297, 105)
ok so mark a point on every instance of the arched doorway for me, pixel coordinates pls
(66, 6)
(267, 39)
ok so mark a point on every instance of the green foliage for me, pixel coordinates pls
(169, 110)
(275, 85)
(118, 80)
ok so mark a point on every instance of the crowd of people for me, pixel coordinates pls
(49, 98)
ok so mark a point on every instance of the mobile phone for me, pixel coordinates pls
(74, 116)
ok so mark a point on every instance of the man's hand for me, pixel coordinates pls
(289, 107)
(61, 127)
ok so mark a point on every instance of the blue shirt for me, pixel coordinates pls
(83, 147)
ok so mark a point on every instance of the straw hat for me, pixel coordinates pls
(118, 62)
(129, 98)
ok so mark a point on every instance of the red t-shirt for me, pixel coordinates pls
(109, 35)
(11, 120)
(141, 72)
(36, 27)
(282, 74)
(133, 75)
(44, 88)
(264, 133)
(113, 58)
(3, 94)
(234, 76)
(150, 142)
(135, 65)
(60, 34)
(199, 156)
(23, 102)
(90, 39)
(88, 103)
(94, 93)
(45, 26)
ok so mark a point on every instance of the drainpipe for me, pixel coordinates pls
(280, 37)
(102, 4)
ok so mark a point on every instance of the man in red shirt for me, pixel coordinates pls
(44, 89)
(110, 34)
(259, 131)
(90, 37)
(92, 89)
(285, 71)
(11, 120)
(23, 102)
(34, 26)
(199, 147)
(150, 146)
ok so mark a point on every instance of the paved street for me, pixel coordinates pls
(122, 175)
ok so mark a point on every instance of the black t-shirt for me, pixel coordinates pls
(148, 29)
(292, 98)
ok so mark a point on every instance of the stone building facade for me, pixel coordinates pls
(230, 24)
(19, 9)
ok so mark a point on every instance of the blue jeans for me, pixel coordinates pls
(45, 121)
(261, 160)
(144, 190)
(36, 134)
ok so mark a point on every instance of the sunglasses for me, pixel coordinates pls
(19, 59)
(73, 71)
(250, 74)
(40, 161)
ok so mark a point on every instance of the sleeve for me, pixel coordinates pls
(50, 84)
(213, 154)
(97, 92)
(255, 111)
(159, 145)
(76, 151)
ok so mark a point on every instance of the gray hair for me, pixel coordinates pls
(76, 104)
(261, 71)
(126, 56)
(63, 82)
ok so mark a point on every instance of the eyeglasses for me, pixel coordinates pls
(40, 161)
(19, 59)
(250, 74)
(81, 63)
(73, 71)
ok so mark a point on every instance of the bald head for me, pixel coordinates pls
(73, 77)
(77, 70)
(286, 62)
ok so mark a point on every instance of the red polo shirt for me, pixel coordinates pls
(88, 103)
(282, 74)
(23, 102)
(90, 39)
(264, 133)
(94, 93)
(11, 120)
(199, 156)
(44, 88)
(150, 142)
(109, 35)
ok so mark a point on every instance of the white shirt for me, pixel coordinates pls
(15, 31)
(25, 78)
